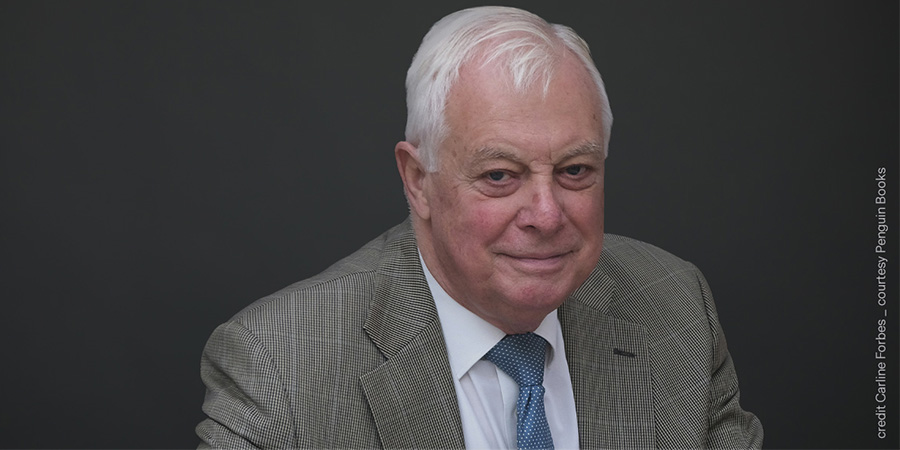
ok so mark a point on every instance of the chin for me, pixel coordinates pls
(539, 297)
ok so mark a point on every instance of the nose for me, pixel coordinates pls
(542, 210)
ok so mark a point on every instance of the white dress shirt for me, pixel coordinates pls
(487, 395)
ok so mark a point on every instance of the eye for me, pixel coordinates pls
(577, 176)
(498, 182)
(575, 170)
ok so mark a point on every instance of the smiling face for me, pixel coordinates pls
(512, 221)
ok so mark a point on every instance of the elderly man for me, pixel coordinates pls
(498, 315)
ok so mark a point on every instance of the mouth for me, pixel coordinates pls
(537, 262)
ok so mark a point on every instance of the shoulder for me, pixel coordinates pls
(653, 286)
(316, 324)
(633, 264)
(637, 256)
(692, 375)
(339, 297)
(258, 365)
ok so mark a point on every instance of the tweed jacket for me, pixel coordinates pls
(355, 358)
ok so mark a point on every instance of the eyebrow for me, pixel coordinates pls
(588, 148)
(494, 153)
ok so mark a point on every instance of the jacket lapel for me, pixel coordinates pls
(411, 396)
(610, 369)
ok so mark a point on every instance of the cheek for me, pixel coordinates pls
(586, 216)
(488, 220)
(584, 206)
(476, 217)
(473, 233)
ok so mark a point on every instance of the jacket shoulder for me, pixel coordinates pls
(693, 373)
(633, 263)
(259, 366)
(627, 256)
(654, 287)
(344, 288)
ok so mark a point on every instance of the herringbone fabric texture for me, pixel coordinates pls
(522, 357)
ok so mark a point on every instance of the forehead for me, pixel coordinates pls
(485, 111)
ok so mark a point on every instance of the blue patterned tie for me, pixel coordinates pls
(521, 356)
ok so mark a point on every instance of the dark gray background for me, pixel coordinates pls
(166, 163)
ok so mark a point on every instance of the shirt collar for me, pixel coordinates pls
(468, 337)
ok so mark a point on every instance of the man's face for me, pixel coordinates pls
(515, 211)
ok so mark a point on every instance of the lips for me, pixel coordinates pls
(537, 262)
(531, 254)
(536, 257)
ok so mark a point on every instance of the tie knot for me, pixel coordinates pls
(521, 356)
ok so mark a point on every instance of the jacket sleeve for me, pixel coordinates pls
(245, 401)
(729, 426)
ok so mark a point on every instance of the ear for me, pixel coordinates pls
(414, 176)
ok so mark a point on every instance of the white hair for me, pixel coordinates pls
(528, 46)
